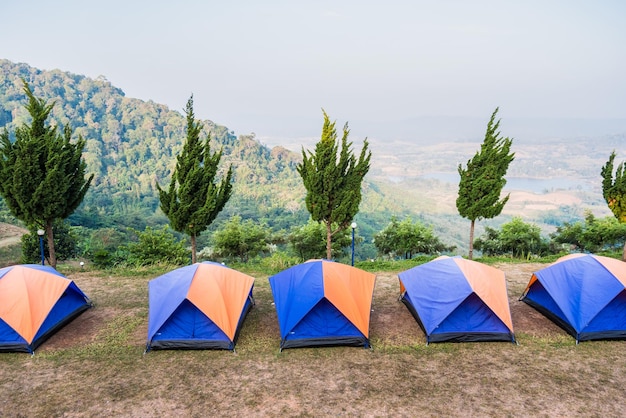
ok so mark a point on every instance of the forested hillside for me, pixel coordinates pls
(132, 144)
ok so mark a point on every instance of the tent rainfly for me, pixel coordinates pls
(584, 294)
(35, 302)
(323, 303)
(454, 299)
(201, 306)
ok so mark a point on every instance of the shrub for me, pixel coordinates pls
(155, 246)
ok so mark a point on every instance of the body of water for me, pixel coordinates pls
(529, 184)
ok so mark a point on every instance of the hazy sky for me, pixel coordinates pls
(269, 66)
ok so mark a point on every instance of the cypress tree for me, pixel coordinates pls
(332, 178)
(482, 181)
(614, 191)
(194, 198)
(42, 172)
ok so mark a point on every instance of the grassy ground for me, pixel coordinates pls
(96, 366)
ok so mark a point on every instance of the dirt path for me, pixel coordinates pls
(10, 234)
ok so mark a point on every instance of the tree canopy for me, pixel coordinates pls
(614, 191)
(332, 177)
(194, 197)
(482, 180)
(42, 173)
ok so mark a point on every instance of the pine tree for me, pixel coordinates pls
(332, 178)
(614, 191)
(42, 172)
(483, 179)
(194, 198)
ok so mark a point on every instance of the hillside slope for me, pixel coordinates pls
(131, 145)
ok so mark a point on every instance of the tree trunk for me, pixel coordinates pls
(52, 260)
(624, 253)
(193, 248)
(471, 243)
(329, 243)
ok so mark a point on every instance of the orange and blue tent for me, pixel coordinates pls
(455, 299)
(323, 303)
(201, 306)
(584, 294)
(35, 302)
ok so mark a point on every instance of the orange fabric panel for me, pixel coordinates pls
(489, 284)
(350, 290)
(616, 267)
(26, 298)
(533, 279)
(568, 257)
(221, 294)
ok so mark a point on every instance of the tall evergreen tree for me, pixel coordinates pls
(332, 178)
(483, 179)
(614, 191)
(42, 173)
(194, 197)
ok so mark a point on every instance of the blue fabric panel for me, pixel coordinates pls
(324, 320)
(611, 318)
(581, 287)
(69, 302)
(187, 322)
(246, 307)
(4, 271)
(296, 291)
(540, 296)
(165, 294)
(8, 336)
(435, 289)
(473, 315)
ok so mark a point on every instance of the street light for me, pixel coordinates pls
(40, 232)
(353, 226)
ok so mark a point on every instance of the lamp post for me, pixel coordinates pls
(353, 226)
(40, 232)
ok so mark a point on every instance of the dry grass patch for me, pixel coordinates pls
(96, 366)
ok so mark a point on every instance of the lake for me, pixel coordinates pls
(530, 184)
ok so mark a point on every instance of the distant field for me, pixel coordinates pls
(95, 366)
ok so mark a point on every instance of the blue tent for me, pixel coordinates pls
(323, 303)
(35, 302)
(201, 306)
(454, 299)
(582, 293)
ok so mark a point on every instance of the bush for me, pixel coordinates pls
(244, 240)
(407, 238)
(156, 246)
(65, 243)
(517, 238)
(309, 241)
(278, 262)
(592, 235)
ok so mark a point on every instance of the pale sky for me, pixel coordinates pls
(270, 66)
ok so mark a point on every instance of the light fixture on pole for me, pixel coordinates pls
(353, 226)
(40, 232)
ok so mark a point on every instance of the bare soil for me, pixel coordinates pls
(10, 234)
(96, 366)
